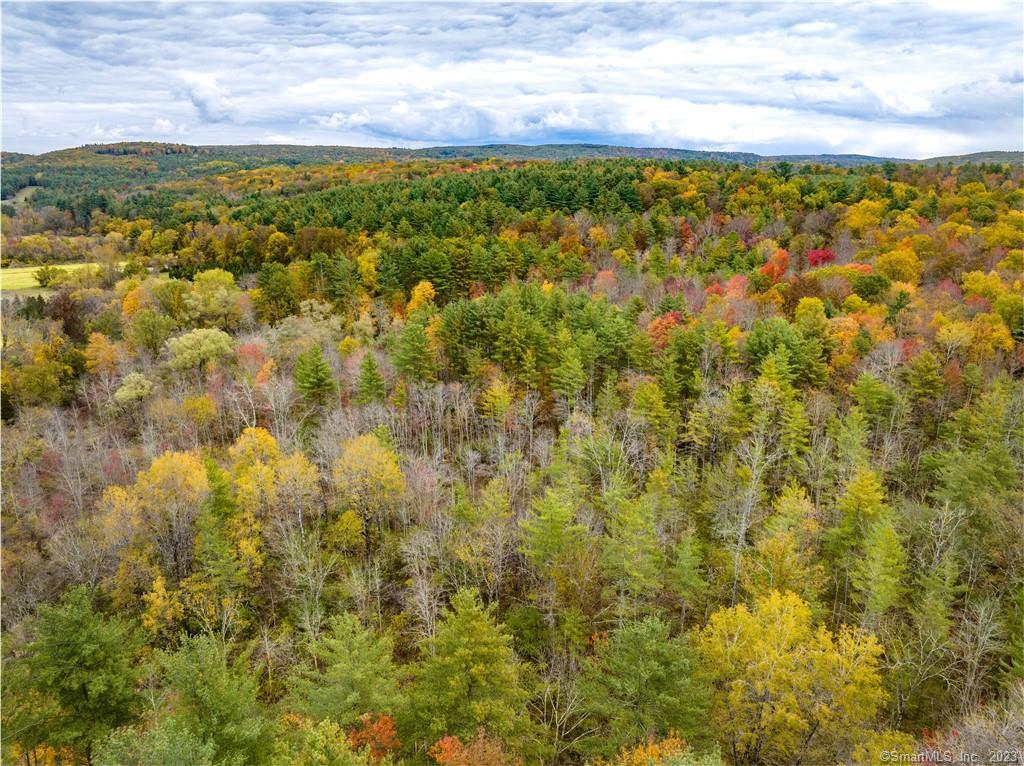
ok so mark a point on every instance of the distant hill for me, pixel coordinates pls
(291, 153)
(577, 151)
(1004, 158)
(133, 165)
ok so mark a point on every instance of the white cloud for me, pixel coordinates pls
(899, 78)
(210, 99)
(163, 127)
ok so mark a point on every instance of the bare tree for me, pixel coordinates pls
(977, 642)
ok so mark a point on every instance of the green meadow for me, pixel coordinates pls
(22, 280)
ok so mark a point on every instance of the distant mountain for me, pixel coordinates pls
(289, 153)
(1003, 158)
(132, 165)
(578, 151)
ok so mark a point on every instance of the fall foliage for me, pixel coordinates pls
(626, 462)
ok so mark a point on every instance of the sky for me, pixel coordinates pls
(900, 79)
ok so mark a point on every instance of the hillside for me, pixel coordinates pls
(507, 462)
(122, 167)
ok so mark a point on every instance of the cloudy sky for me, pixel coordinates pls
(902, 79)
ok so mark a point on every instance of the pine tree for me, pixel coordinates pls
(632, 550)
(370, 384)
(551, 530)
(649, 405)
(685, 576)
(217, 566)
(668, 380)
(640, 685)
(878, 574)
(413, 356)
(313, 376)
(861, 504)
(216, 699)
(656, 262)
(569, 377)
(358, 675)
(169, 741)
(923, 376)
(470, 679)
(80, 664)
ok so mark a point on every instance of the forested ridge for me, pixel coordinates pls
(94, 174)
(628, 461)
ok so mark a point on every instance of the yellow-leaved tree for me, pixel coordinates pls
(785, 691)
(369, 481)
(422, 294)
(254, 458)
(169, 495)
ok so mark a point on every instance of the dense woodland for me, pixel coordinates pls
(629, 462)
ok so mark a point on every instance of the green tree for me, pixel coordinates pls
(83, 663)
(213, 299)
(861, 504)
(924, 377)
(685, 576)
(150, 329)
(168, 743)
(199, 348)
(551, 531)
(215, 698)
(469, 679)
(875, 398)
(649, 406)
(641, 684)
(356, 675)
(370, 384)
(632, 552)
(276, 298)
(413, 356)
(313, 376)
(135, 387)
(568, 377)
(878, 574)
(46, 274)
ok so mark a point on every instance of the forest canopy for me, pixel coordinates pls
(353, 460)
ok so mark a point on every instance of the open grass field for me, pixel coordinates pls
(24, 196)
(21, 280)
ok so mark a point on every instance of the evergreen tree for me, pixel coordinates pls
(357, 675)
(878, 574)
(640, 685)
(276, 297)
(370, 384)
(649, 405)
(685, 576)
(569, 377)
(216, 563)
(81, 663)
(469, 679)
(413, 356)
(168, 742)
(632, 551)
(313, 376)
(924, 377)
(215, 698)
(861, 504)
(551, 531)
